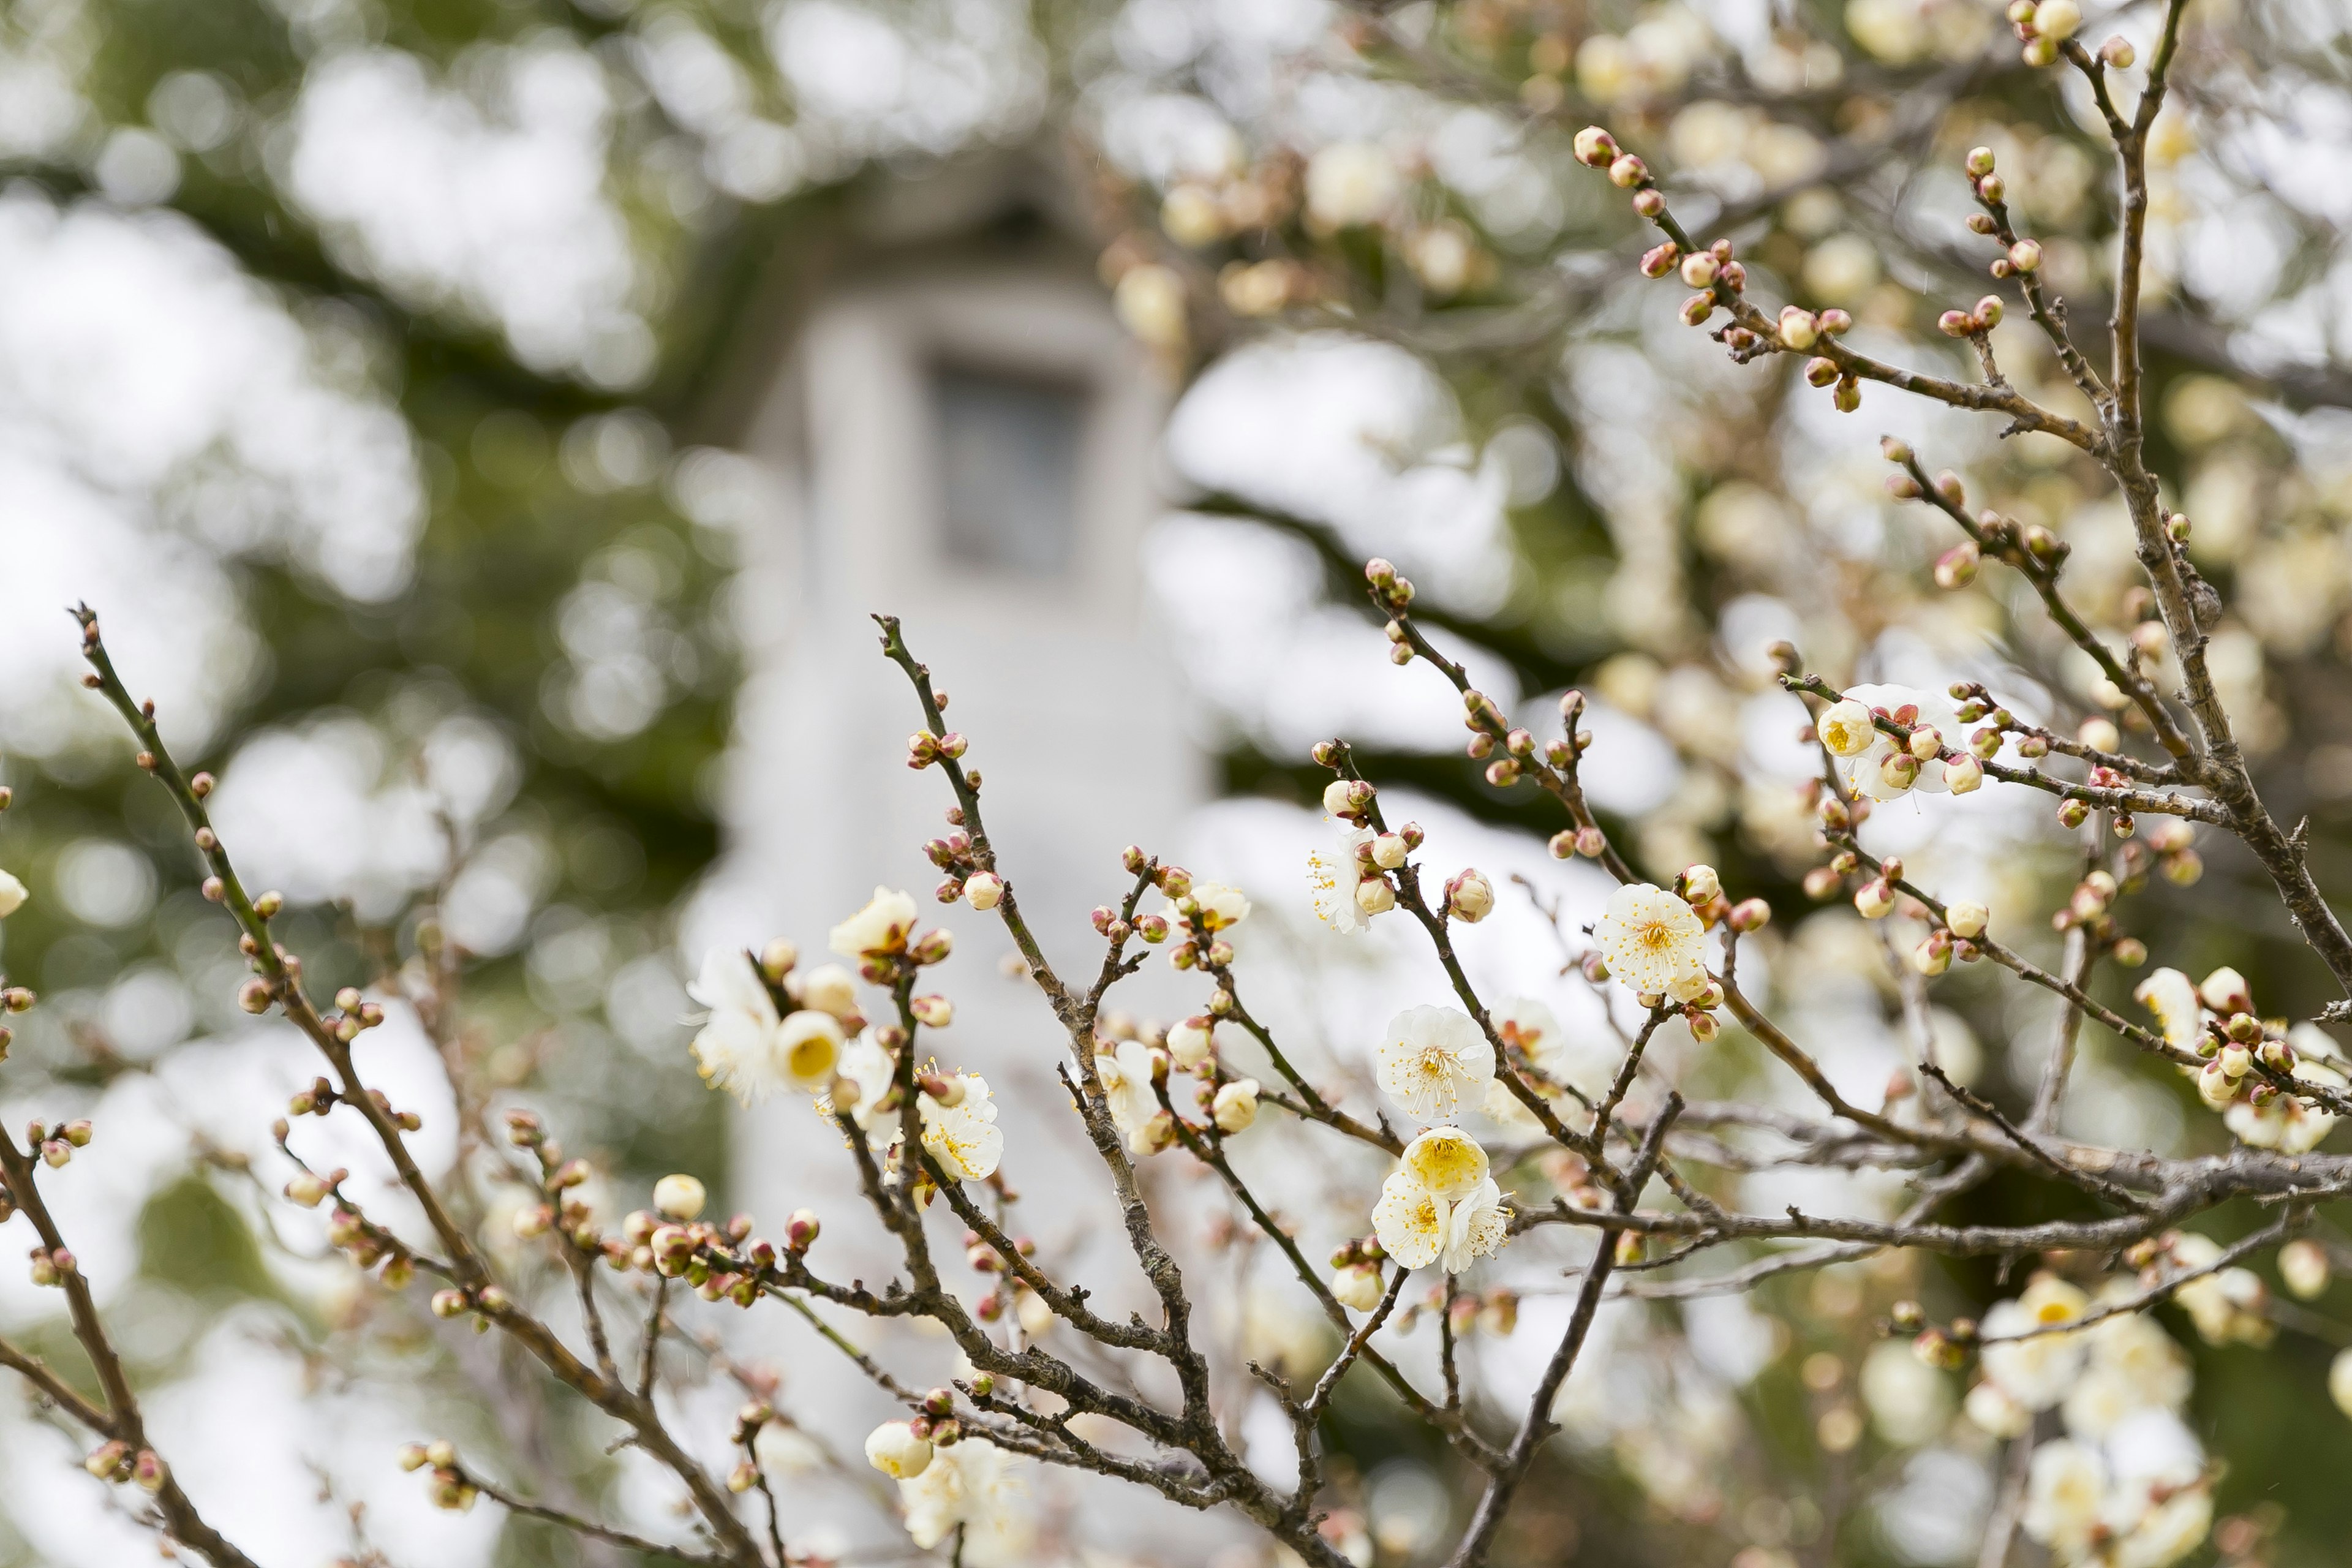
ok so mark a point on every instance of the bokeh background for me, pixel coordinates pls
(388, 372)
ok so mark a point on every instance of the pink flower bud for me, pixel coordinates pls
(1989, 311)
(1963, 774)
(801, 1230)
(1980, 162)
(2117, 54)
(1469, 896)
(1833, 322)
(1848, 396)
(1957, 567)
(1649, 202)
(1699, 269)
(1799, 330)
(1595, 147)
(1819, 372)
(1956, 323)
(1591, 843)
(2025, 256)
(1698, 308)
(1750, 914)
(1629, 172)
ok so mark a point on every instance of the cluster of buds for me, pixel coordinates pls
(748, 1419)
(923, 748)
(718, 1262)
(1393, 591)
(985, 1258)
(366, 1245)
(2234, 1045)
(1971, 323)
(2172, 840)
(2018, 256)
(51, 1265)
(57, 1144)
(1202, 911)
(965, 879)
(451, 1489)
(1357, 1282)
(118, 1462)
(2091, 906)
(1492, 1312)
(2042, 26)
(353, 1015)
(317, 1099)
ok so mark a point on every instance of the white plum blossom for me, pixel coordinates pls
(1433, 1061)
(2288, 1123)
(1236, 1105)
(2226, 1304)
(1332, 878)
(829, 988)
(1846, 728)
(881, 927)
(2170, 995)
(1651, 940)
(1863, 770)
(1991, 1408)
(1351, 184)
(1447, 1161)
(2169, 1532)
(808, 1046)
(1125, 1073)
(2066, 1488)
(975, 1485)
(1417, 1227)
(2134, 1365)
(963, 1138)
(739, 1047)
(867, 1065)
(895, 1450)
(2038, 1372)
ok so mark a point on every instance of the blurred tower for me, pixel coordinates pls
(964, 436)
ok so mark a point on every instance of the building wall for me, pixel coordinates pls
(1067, 687)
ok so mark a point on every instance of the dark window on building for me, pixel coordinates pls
(1008, 467)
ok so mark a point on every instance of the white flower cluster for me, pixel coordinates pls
(2216, 1021)
(969, 1484)
(1874, 764)
(1439, 1205)
(1131, 1071)
(821, 1046)
(2125, 1488)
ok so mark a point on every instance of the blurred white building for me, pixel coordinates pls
(960, 433)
